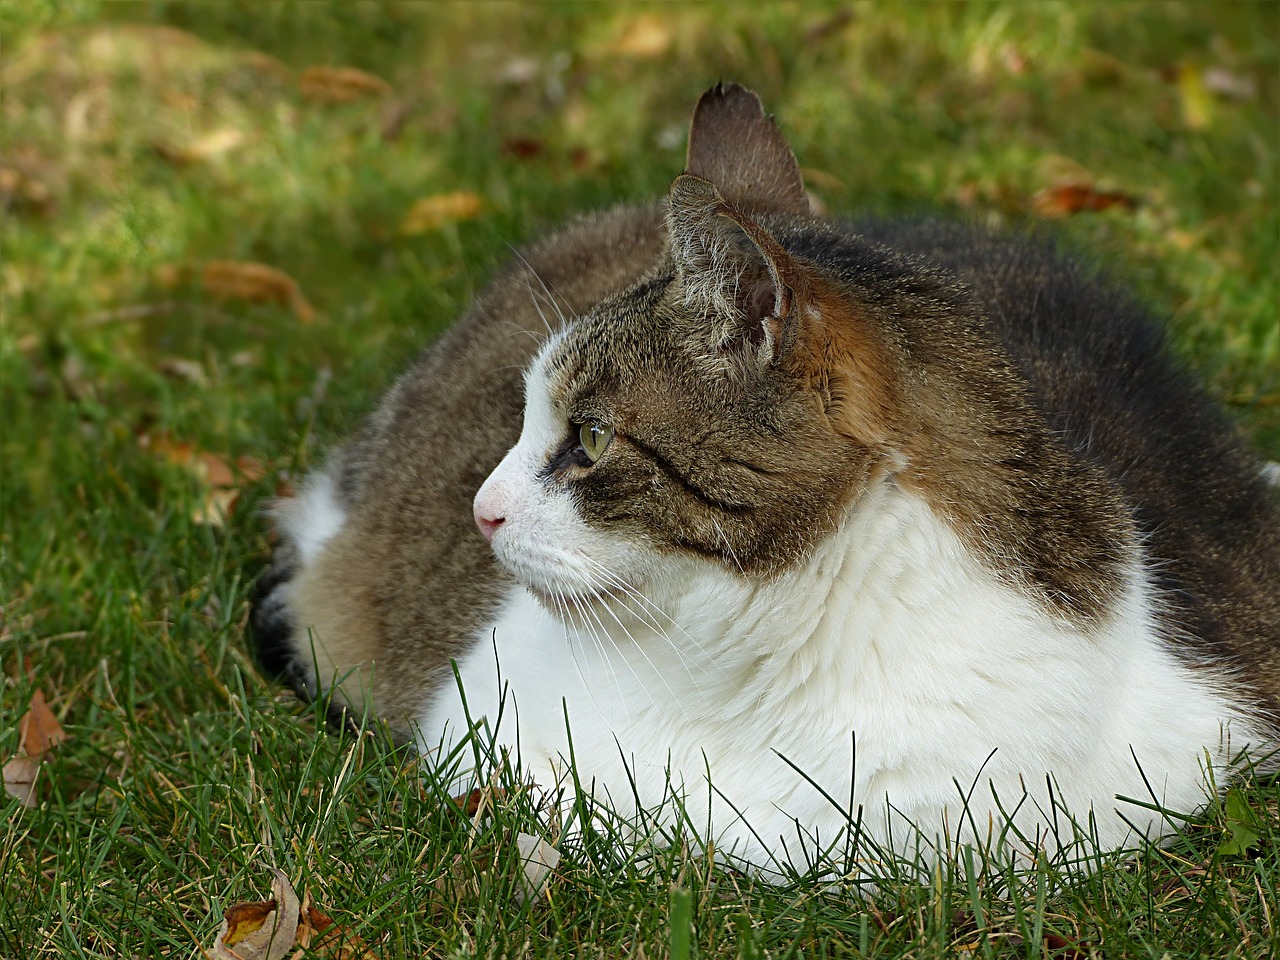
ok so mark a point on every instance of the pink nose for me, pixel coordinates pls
(488, 521)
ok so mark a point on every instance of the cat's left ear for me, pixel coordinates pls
(731, 270)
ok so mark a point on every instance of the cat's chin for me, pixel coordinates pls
(587, 608)
(567, 605)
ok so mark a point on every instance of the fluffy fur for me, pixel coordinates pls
(904, 525)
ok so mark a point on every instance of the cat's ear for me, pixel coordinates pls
(731, 270)
(733, 144)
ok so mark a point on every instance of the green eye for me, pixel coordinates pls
(594, 437)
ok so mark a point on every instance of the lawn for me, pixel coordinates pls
(226, 227)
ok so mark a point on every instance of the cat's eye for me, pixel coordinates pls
(594, 437)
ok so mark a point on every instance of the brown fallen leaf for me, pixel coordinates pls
(223, 479)
(828, 26)
(1062, 201)
(486, 797)
(38, 733)
(23, 193)
(260, 930)
(39, 730)
(212, 468)
(523, 148)
(1066, 949)
(256, 283)
(432, 213)
(340, 84)
(318, 933)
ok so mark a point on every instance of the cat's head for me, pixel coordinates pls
(726, 410)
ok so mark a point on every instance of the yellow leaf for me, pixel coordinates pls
(432, 213)
(1197, 103)
(646, 37)
(205, 148)
(245, 920)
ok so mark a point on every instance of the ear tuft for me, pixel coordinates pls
(733, 144)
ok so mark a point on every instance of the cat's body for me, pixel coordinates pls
(906, 517)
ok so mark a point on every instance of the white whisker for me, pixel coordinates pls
(612, 580)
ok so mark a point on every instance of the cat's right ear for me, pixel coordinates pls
(731, 272)
(733, 144)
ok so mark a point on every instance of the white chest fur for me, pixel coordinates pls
(893, 670)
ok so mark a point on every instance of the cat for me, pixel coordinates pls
(907, 527)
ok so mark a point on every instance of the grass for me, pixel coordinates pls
(186, 772)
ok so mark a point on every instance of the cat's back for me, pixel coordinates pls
(1106, 380)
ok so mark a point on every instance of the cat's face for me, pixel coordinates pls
(661, 431)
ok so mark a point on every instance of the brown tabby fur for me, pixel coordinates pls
(1053, 450)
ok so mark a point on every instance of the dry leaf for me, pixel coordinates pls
(432, 213)
(340, 84)
(38, 733)
(523, 148)
(209, 146)
(828, 26)
(645, 37)
(538, 858)
(222, 478)
(256, 283)
(39, 730)
(318, 933)
(23, 193)
(20, 779)
(1197, 104)
(1072, 198)
(181, 369)
(1237, 86)
(486, 797)
(262, 930)
(218, 505)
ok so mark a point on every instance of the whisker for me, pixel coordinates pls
(557, 599)
(547, 291)
(728, 546)
(598, 642)
(650, 621)
(640, 647)
(648, 611)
